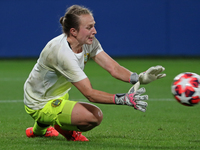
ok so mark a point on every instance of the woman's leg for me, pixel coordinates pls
(86, 116)
(79, 116)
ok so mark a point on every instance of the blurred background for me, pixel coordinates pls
(124, 27)
(150, 32)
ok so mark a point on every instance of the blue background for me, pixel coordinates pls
(124, 27)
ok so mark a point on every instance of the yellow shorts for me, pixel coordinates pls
(51, 113)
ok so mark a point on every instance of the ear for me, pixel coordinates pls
(73, 32)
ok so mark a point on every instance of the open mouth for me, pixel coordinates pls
(90, 38)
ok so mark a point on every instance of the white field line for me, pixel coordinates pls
(85, 100)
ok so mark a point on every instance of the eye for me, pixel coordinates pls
(89, 27)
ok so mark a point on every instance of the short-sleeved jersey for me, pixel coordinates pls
(55, 69)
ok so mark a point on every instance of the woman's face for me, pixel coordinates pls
(87, 30)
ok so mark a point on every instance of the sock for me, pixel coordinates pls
(66, 133)
(40, 129)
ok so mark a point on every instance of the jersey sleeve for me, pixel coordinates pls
(95, 48)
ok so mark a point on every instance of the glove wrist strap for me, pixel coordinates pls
(119, 99)
(134, 78)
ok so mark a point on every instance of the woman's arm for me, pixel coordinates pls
(96, 96)
(109, 64)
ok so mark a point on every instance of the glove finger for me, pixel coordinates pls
(161, 76)
(156, 70)
(150, 70)
(141, 109)
(142, 104)
(140, 91)
(134, 87)
(153, 70)
(159, 69)
(141, 98)
(158, 66)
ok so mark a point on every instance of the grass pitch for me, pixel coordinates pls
(165, 125)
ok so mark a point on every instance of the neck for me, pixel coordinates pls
(75, 45)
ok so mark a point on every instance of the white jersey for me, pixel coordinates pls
(54, 71)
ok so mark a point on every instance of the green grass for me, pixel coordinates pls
(165, 125)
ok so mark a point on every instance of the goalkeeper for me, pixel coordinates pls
(60, 66)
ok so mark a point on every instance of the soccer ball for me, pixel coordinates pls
(186, 88)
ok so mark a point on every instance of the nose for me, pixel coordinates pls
(94, 31)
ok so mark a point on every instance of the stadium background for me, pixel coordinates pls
(125, 27)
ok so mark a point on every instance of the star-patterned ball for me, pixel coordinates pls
(186, 88)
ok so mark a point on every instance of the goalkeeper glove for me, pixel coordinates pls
(133, 98)
(134, 78)
(151, 74)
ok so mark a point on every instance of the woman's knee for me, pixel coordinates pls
(96, 114)
(86, 114)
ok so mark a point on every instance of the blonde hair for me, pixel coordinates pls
(71, 18)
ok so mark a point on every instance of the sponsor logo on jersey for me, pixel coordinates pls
(86, 57)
